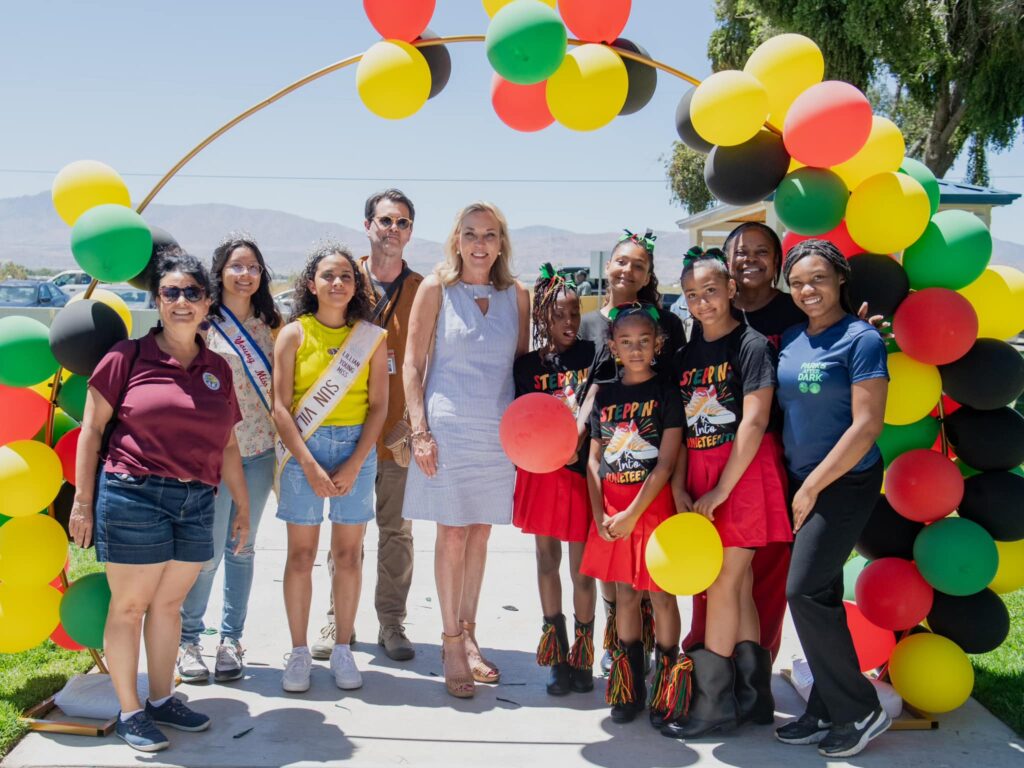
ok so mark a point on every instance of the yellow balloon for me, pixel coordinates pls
(30, 477)
(33, 550)
(113, 301)
(883, 151)
(44, 388)
(931, 673)
(887, 212)
(914, 389)
(998, 298)
(684, 554)
(393, 79)
(589, 88)
(729, 107)
(1010, 574)
(27, 615)
(786, 65)
(85, 184)
(493, 6)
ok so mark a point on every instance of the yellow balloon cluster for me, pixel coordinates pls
(30, 477)
(729, 107)
(33, 550)
(27, 615)
(786, 65)
(684, 554)
(85, 184)
(589, 88)
(914, 389)
(882, 152)
(113, 301)
(393, 79)
(931, 672)
(887, 212)
(493, 6)
(998, 298)
(1010, 574)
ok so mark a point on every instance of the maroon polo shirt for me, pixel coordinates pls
(174, 421)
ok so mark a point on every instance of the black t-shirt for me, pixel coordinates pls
(595, 327)
(774, 318)
(628, 421)
(563, 376)
(714, 376)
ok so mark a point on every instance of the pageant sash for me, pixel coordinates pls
(255, 363)
(332, 386)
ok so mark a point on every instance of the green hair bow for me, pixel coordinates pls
(624, 310)
(645, 241)
(696, 253)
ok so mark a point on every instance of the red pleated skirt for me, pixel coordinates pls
(755, 512)
(623, 560)
(553, 504)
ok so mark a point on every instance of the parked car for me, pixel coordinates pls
(31, 293)
(283, 300)
(71, 281)
(135, 298)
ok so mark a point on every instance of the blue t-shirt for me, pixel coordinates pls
(815, 375)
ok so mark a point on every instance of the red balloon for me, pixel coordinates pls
(399, 19)
(521, 107)
(923, 485)
(60, 637)
(839, 237)
(873, 644)
(935, 326)
(892, 593)
(66, 448)
(827, 124)
(538, 433)
(24, 413)
(595, 21)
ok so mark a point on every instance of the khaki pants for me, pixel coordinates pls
(394, 547)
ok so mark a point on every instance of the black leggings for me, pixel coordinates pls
(814, 589)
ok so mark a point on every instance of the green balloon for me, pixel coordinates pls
(895, 440)
(811, 201)
(72, 396)
(918, 170)
(111, 242)
(83, 609)
(25, 356)
(965, 470)
(526, 42)
(953, 252)
(851, 571)
(956, 556)
(62, 424)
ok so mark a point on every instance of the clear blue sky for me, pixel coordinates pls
(136, 84)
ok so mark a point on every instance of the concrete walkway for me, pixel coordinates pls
(402, 715)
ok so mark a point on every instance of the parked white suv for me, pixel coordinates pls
(71, 281)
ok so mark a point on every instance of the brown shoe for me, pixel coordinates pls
(457, 677)
(484, 671)
(396, 645)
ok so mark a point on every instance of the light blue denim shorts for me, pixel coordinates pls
(330, 447)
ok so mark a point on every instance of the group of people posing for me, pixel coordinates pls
(382, 395)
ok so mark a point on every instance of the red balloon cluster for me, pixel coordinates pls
(935, 326)
(892, 593)
(839, 237)
(827, 124)
(595, 21)
(24, 413)
(538, 433)
(66, 448)
(399, 21)
(923, 485)
(873, 644)
(521, 107)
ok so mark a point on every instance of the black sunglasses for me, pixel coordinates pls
(171, 293)
(385, 222)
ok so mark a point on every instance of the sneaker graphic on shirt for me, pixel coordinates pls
(704, 406)
(626, 440)
(568, 396)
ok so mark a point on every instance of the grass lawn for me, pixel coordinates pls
(999, 675)
(29, 677)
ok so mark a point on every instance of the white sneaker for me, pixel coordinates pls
(296, 672)
(346, 675)
(229, 665)
(191, 667)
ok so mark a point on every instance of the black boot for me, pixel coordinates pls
(713, 703)
(754, 683)
(611, 636)
(647, 631)
(552, 652)
(657, 703)
(627, 688)
(581, 658)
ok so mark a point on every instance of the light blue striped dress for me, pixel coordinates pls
(469, 386)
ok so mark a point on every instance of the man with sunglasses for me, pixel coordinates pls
(388, 221)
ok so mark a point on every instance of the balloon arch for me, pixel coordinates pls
(947, 536)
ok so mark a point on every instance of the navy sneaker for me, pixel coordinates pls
(849, 739)
(807, 729)
(139, 732)
(176, 714)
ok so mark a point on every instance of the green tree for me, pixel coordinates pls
(685, 171)
(10, 269)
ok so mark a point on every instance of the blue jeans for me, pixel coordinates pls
(238, 569)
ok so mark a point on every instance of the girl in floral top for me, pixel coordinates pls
(243, 319)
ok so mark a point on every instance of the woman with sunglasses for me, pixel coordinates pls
(243, 319)
(172, 407)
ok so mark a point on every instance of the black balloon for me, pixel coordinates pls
(62, 505)
(439, 61)
(643, 78)
(978, 623)
(989, 376)
(995, 501)
(83, 332)
(888, 533)
(747, 172)
(878, 280)
(161, 239)
(684, 126)
(987, 440)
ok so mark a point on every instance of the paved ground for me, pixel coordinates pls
(402, 715)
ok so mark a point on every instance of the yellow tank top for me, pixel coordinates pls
(319, 345)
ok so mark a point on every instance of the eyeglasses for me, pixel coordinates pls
(385, 222)
(169, 294)
(240, 269)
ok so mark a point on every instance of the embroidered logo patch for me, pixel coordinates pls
(333, 351)
(212, 382)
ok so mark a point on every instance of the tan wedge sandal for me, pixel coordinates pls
(484, 671)
(460, 686)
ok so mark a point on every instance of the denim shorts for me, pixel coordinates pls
(330, 446)
(145, 519)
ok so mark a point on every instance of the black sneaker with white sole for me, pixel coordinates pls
(807, 729)
(849, 739)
